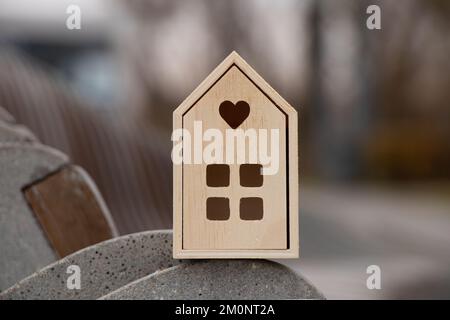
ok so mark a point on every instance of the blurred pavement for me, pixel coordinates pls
(406, 233)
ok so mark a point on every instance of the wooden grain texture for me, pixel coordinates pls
(70, 211)
(274, 236)
(270, 232)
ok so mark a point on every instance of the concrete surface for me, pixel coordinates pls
(220, 279)
(15, 133)
(104, 267)
(5, 116)
(24, 248)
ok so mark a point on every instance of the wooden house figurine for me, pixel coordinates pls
(235, 169)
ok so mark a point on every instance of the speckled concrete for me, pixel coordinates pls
(24, 248)
(104, 267)
(220, 279)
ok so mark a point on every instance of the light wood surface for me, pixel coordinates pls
(276, 234)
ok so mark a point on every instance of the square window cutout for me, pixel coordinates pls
(217, 208)
(251, 208)
(217, 175)
(250, 175)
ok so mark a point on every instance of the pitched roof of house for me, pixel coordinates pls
(234, 59)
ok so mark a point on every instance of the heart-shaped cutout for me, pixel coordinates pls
(234, 114)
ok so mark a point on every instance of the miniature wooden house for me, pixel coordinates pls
(232, 200)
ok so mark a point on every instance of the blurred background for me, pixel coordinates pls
(373, 109)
